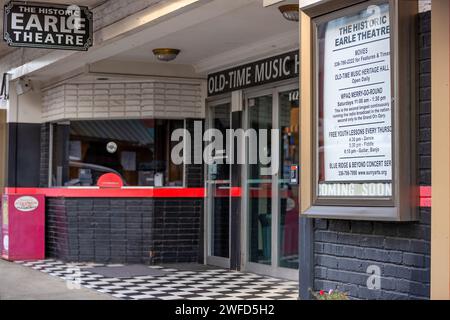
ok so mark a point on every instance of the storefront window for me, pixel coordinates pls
(137, 150)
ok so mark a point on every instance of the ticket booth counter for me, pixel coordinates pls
(115, 196)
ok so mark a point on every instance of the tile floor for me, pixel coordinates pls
(199, 283)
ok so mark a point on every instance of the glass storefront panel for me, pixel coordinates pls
(259, 185)
(288, 191)
(221, 221)
(271, 198)
(219, 186)
(220, 120)
(136, 150)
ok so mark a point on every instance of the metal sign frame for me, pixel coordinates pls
(401, 206)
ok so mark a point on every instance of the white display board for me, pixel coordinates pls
(356, 105)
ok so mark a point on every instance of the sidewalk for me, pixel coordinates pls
(20, 283)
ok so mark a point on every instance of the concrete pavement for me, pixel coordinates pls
(20, 283)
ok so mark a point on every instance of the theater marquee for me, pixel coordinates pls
(363, 122)
(50, 26)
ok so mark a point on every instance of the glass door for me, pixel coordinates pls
(218, 188)
(259, 184)
(288, 188)
(271, 197)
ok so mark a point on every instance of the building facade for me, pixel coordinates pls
(73, 117)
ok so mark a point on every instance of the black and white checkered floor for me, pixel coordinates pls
(173, 284)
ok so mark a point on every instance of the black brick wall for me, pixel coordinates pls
(343, 250)
(45, 138)
(148, 231)
(177, 228)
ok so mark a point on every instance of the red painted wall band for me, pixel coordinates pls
(235, 192)
(111, 193)
(425, 197)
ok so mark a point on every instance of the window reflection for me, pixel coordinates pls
(289, 192)
(137, 150)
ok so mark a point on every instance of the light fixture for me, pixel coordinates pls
(290, 12)
(166, 54)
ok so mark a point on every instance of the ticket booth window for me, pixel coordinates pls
(136, 150)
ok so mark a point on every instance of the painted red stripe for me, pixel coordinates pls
(236, 192)
(425, 193)
(112, 193)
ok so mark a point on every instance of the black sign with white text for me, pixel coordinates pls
(282, 67)
(50, 26)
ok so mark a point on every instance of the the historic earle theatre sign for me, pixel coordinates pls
(50, 26)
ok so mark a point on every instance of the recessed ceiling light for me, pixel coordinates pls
(166, 54)
(290, 12)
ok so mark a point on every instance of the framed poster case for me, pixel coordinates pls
(363, 111)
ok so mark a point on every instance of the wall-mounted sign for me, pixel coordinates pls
(26, 204)
(363, 120)
(50, 26)
(356, 140)
(281, 67)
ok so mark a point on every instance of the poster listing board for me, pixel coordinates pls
(355, 105)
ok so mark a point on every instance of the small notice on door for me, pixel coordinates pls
(356, 100)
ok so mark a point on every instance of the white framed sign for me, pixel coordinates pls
(363, 119)
(356, 104)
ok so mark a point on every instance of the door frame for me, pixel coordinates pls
(209, 258)
(273, 269)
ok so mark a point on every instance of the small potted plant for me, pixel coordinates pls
(330, 295)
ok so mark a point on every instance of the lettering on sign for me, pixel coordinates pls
(282, 67)
(356, 100)
(26, 204)
(51, 26)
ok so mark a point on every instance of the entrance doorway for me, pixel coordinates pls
(269, 212)
(271, 201)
